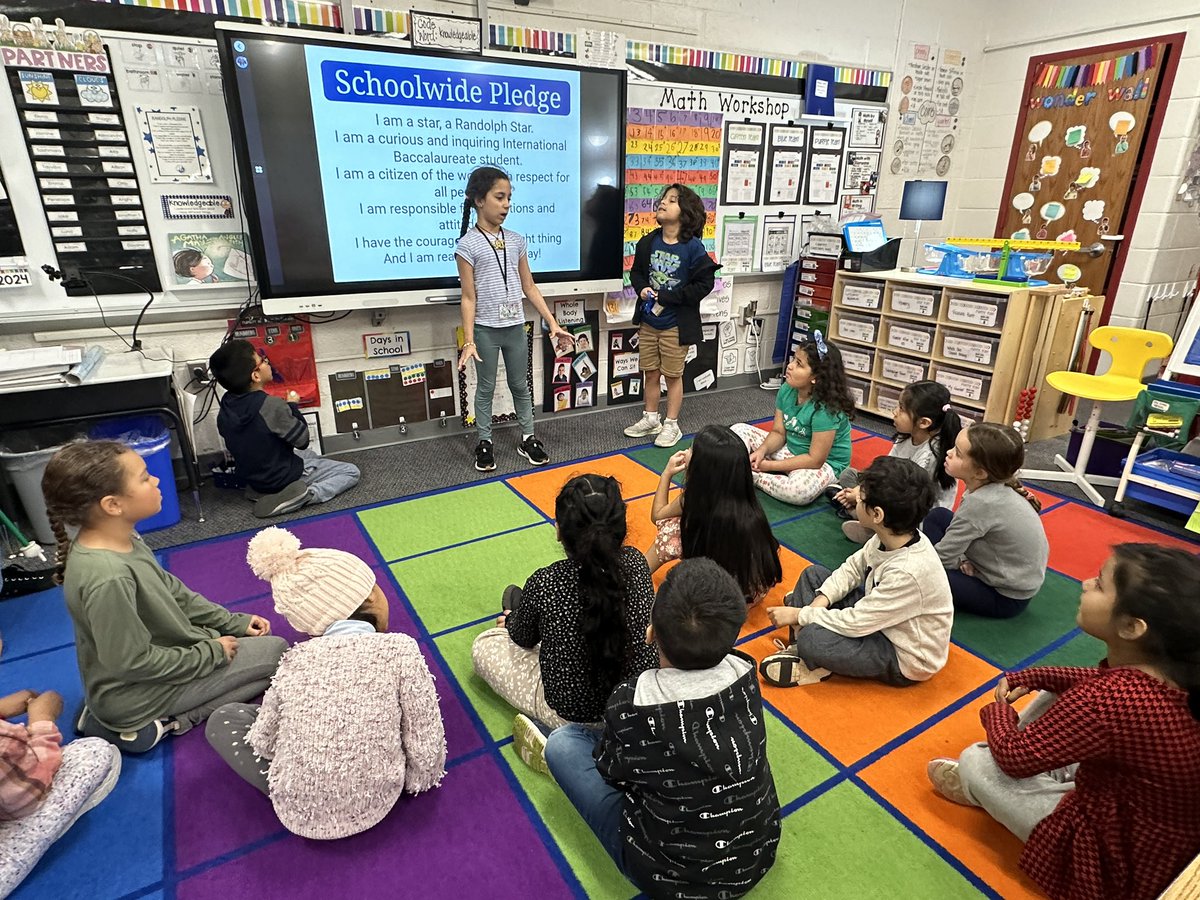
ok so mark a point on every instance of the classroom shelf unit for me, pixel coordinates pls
(988, 344)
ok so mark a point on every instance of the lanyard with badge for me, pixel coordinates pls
(509, 309)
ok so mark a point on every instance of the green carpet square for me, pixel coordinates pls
(796, 767)
(817, 537)
(588, 859)
(1081, 650)
(464, 583)
(1050, 615)
(843, 845)
(409, 527)
(496, 715)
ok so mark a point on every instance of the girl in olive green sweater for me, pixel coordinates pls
(155, 657)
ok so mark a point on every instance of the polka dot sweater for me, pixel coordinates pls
(550, 613)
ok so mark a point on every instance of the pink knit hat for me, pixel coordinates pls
(312, 588)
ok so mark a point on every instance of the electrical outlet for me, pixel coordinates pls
(748, 312)
(200, 374)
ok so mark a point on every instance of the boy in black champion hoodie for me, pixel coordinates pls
(678, 788)
(269, 438)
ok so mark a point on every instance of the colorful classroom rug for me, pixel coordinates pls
(860, 819)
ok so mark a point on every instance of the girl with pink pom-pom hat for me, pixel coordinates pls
(351, 719)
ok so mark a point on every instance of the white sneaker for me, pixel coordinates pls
(669, 436)
(644, 427)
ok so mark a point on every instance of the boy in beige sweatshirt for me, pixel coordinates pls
(886, 613)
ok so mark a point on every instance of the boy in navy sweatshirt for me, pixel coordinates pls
(268, 437)
(677, 787)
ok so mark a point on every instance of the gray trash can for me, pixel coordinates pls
(24, 456)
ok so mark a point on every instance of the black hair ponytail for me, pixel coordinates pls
(930, 400)
(591, 525)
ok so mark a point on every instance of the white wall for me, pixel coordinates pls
(1164, 241)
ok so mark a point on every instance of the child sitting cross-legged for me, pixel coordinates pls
(677, 786)
(352, 718)
(1100, 774)
(886, 612)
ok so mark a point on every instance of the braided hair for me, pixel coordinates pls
(77, 477)
(478, 184)
(590, 514)
(1000, 452)
(1151, 584)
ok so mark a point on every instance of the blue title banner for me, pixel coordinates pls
(350, 82)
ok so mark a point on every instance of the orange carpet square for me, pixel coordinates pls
(756, 617)
(1080, 538)
(985, 846)
(851, 717)
(864, 451)
(541, 488)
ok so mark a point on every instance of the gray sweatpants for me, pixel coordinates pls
(327, 478)
(872, 656)
(1016, 803)
(243, 679)
(226, 733)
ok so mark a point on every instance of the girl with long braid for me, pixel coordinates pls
(495, 276)
(155, 657)
(589, 613)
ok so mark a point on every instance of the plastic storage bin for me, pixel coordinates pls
(910, 302)
(887, 399)
(982, 310)
(857, 359)
(860, 391)
(910, 337)
(150, 439)
(970, 347)
(862, 295)
(1154, 464)
(24, 456)
(963, 385)
(902, 369)
(858, 328)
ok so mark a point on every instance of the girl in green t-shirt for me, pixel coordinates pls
(808, 446)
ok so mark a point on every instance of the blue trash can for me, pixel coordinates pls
(150, 439)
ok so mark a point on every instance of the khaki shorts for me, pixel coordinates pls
(660, 351)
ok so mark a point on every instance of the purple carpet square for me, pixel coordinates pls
(457, 840)
(218, 568)
(215, 811)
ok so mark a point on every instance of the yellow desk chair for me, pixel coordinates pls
(1131, 350)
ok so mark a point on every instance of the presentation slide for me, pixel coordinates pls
(397, 138)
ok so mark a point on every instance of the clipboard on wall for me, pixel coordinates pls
(348, 398)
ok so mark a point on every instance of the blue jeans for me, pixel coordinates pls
(569, 755)
(971, 593)
(327, 478)
(490, 343)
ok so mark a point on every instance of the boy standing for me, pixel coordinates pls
(269, 438)
(679, 791)
(886, 612)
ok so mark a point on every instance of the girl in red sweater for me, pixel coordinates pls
(1100, 774)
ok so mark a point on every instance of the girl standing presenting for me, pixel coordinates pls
(495, 276)
(671, 273)
(808, 446)
(1100, 775)
(994, 548)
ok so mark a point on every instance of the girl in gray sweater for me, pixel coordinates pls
(994, 548)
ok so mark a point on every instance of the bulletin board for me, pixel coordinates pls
(170, 89)
(1081, 137)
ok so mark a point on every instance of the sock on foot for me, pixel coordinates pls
(652, 416)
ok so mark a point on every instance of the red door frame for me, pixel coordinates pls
(1174, 44)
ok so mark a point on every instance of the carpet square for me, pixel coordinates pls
(462, 584)
(1049, 616)
(1081, 558)
(218, 568)
(796, 767)
(863, 452)
(818, 536)
(455, 647)
(851, 718)
(640, 532)
(436, 844)
(35, 622)
(54, 670)
(981, 843)
(756, 615)
(541, 487)
(1081, 650)
(844, 845)
(409, 527)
